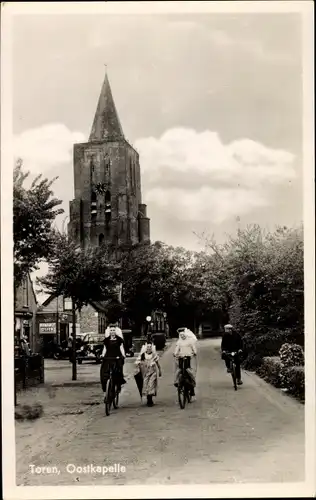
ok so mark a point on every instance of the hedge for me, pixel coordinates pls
(291, 378)
(292, 355)
(270, 370)
(260, 346)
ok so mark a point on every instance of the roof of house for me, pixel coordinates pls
(98, 306)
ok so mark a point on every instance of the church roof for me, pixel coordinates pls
(106, 124)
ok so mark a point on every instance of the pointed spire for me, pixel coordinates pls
(106, 123)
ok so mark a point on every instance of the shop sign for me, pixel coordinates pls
(47, 328)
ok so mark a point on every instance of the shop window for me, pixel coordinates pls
(67, 304)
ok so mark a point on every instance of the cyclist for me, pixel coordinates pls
(185, 347)
(232, 342)
(113, 349)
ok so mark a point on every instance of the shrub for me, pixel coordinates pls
(252, 362)
(293, 379)
(262, 345)
(270, 370)
(291, 355)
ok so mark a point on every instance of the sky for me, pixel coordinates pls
(212, 103)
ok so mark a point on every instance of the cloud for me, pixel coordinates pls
(206, 204)
(195, 176)
(46, 147)
(253, 46)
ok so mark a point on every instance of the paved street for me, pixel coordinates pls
(253, 435)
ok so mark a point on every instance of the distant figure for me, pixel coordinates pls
(70, 344)
(24, 345)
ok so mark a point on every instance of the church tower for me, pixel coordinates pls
(107, 207)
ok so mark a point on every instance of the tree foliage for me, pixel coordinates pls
(34, 210)
(175, 280)
(84, 275)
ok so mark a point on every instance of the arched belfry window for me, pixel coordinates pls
(93, 203)
(101, 239)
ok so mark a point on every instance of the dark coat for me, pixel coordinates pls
(231, 342)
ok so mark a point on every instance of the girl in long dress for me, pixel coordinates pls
(148, 364)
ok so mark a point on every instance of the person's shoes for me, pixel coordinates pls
(150, 401)
(192, 393)
(176, 384)
(239, 382)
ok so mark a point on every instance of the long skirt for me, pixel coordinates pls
(191, 371)
(105, 372)
(149, 371)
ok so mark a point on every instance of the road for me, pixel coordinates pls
(253, 435)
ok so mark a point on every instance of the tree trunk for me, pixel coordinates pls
(74, 337)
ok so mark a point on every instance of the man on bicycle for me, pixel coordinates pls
(232, 342)
(185, 347)
(113, 352)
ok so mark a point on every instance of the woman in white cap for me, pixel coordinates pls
(188, 333)
(185, 347)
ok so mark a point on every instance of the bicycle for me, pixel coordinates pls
(185, 382)
(112, 388)
(232, 356)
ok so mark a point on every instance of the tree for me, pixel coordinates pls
(176, 280)
(263, 276)
(34, 210)
(84, 275)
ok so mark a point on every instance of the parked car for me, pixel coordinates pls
(92, 347)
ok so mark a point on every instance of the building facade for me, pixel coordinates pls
(25, 310)
(107, 207)
(54, 320)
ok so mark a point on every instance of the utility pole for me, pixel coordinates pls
(57, 321)
(74, 352)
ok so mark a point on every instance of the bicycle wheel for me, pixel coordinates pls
(234, 376)
(109, 396)
(115, 396)
(181, 395)
(188, 393)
